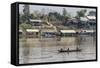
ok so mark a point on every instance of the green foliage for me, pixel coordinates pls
(45, 18)
(65, 15)
(26, 14)
(53, 16)
(25, 26)
(81, 13)
(22, 18)
(64, 12)
(35, 15)
(26, 10)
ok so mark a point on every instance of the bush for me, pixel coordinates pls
(25, 26)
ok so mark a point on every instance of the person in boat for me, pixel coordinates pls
(77, 48)
(61, 49)
(68, 49)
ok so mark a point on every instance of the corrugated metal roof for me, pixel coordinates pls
(91, 17)
(35, 20)
(83, 19)
(48, 30)
(32, 30)
(89, 30)
(68, 31)
(20, 30)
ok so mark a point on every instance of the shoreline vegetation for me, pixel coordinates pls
(51, 24)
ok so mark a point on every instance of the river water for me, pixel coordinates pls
(40, 50)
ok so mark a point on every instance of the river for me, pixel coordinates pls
(40, 50)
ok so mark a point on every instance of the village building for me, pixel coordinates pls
(36, 22)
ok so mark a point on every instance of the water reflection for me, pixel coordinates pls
(35, 50)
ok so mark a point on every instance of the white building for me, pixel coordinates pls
(92, 17)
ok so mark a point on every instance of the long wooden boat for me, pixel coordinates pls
(76, 50)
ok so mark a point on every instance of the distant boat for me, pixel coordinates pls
(75, 50)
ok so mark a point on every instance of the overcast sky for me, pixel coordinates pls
(71, 10)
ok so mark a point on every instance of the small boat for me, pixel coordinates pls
(76, 50)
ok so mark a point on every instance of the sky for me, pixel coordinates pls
(71, 10)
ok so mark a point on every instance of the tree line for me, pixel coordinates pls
(51, 16)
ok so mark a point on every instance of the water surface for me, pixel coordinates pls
(38, 50)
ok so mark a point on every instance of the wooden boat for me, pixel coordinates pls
(76, 50)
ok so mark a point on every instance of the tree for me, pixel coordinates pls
(35, 15)
(64, 12)
(81, 13)
(23, 27)
(21, 18)
(65, 15)
(53, 16)
(26, 13)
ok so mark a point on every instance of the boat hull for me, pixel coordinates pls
(69, 50)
